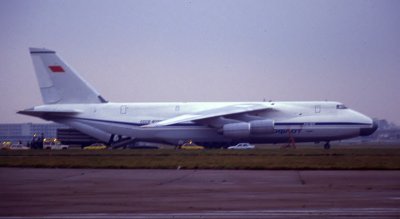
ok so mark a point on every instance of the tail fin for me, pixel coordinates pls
(58, 82)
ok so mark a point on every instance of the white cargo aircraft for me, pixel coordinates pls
(70, 100)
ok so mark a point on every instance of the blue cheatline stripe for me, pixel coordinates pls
(321, 123)
(193, 124)
(108, 121)
(341, 123)
(132, 123)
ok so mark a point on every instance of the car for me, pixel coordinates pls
(242, 146)
(95, 146)
(19, 147)
(191, 146)
(5, 145)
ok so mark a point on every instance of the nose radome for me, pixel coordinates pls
(369, 131)
(365, 120)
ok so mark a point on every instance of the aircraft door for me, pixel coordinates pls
(123, 109)
(317, 108)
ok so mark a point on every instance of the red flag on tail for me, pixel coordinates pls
(56, 69)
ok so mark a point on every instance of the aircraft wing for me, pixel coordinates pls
(212, 113)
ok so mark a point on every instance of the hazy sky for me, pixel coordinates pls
(144, 51)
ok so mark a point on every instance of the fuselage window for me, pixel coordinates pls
(341, 106)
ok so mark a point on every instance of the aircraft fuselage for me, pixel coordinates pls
(302, 121)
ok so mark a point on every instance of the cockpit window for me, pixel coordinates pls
(341, 106)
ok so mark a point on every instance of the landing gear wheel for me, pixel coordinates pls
(327, 146)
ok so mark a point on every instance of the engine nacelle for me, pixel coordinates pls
(237, 130)
(244, 129)
(262, 126)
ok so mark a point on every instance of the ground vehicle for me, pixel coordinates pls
(19, 147)
(5, 145)
(53, 144)
(8, 145)
(95, 146)
(242, 146)
(191, 146)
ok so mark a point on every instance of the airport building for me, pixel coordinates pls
(24, 132)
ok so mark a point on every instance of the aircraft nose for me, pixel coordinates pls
(369, 131)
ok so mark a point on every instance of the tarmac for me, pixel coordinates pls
(131, 193)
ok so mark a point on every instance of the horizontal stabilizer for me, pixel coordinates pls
(42, 113)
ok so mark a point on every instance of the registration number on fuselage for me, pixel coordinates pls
(146, 122)
(287, 131)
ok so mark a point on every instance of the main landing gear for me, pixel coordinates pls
(118, 141)
(327, 145)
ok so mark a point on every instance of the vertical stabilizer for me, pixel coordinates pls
(58, 82)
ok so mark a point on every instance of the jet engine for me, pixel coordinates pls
(262, 126)
(237, 130)
(244, 129)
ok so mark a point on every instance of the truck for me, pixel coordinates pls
(53, 144)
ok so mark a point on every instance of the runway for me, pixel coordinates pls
(288, 213)
(107, 193)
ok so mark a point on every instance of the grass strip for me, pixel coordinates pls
(264, 159)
